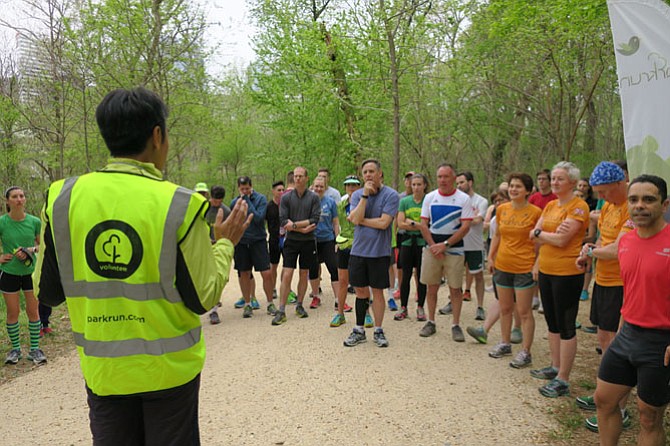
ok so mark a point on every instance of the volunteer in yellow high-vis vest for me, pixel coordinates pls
(131, 254)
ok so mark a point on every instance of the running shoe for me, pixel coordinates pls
(586, 402)
(428, 330)
(480, 315)
(420, 314)
(214, 318)
(478, 333)
(555, 388)
(280, 318)
(536, 303)
(544, 373)
(591, 423)
(248, 311)
(578, 325)
(521, 360)
(316, 302)
(446, 309)
(501, 350)
(240, 303)
(300, 311)
(254, 304)
(338, 320)
(590, 329)
(271, 309)
(401, 315)
(467, 297)
(516, 336)
(347, 308)
(355, 338)
(584, 295)
(380, 339)
(457, 334)
(292, 297)
(13, 356)
(350, 290)
(37, 356)
(393, 306)
(274, 294)
(396, 293)
(368, 321)
(47, 330)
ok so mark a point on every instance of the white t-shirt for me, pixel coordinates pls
(474, 239)
(445, 214)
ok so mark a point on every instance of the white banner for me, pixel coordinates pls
(641, 31)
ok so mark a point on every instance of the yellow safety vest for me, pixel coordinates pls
(115, 237)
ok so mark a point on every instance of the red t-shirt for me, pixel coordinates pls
(540, 200)
(645, 271)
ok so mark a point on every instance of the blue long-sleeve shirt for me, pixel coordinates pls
(258, 206)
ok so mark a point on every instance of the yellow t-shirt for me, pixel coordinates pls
(613, 221)
(561, 261)
(516, 252)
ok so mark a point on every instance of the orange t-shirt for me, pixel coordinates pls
(561, 261)
(516, 252)
(613, 221)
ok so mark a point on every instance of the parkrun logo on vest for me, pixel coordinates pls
(113, 249)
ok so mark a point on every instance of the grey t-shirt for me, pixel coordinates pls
(372, 242)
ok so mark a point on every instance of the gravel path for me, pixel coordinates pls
(297, 385)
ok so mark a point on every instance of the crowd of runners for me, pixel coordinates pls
(538, 237)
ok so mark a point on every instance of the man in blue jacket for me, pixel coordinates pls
(252, 251)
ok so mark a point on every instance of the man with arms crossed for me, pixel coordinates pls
(639, 355)
(374, 208)
(136, 277)
(445, 219)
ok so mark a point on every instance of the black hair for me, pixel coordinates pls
(127, 118)
(277, 183)
(372, 160)
(525, 179)
(218, 192)
(468, 176)
(659, 182)
(243, 180)
(8, 192)
(546, 172)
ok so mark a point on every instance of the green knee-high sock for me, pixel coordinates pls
(34, 329)
(13, 332)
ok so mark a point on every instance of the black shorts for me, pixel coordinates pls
(606, 302)
(343, 258)
(635, 358)
(372, 272)
(165, 416)
(254, 254)
(560, 300)
(11, 284)
(305, 249)
(275, 251)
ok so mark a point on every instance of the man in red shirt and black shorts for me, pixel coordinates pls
(639, 355)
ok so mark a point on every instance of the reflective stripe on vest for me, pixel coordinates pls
(117, 349)
(110, 288)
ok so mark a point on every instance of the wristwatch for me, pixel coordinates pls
(537, 232)
(446, 243)
(295, 226)
(412, 223)
(589, 252)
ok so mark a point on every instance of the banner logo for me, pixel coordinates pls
(630, 48)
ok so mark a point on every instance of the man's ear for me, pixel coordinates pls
(157, 136)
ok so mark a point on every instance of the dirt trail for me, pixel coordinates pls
(297, 385)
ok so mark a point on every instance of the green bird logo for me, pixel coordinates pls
(630, 48)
